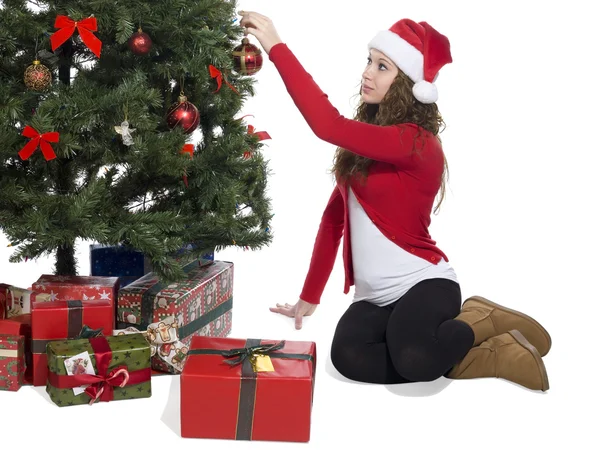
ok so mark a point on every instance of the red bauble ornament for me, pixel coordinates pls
(247, 58)
(140, 43)
(183, 114)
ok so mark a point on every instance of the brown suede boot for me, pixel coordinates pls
(509, 356)
(490, 319)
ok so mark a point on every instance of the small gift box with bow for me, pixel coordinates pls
(248, 389)
(82, 371)
(167, 352)
(12, 362)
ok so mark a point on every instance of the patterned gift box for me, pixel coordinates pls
(79, 288)
(248, 389)
(21, 326)
(18, 301)
(201, 304)
(121, 366)
(126, 263)
(59, 320)
(167, 352)
(12, 362)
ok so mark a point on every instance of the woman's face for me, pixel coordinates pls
(377, 77)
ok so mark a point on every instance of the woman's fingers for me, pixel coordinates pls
(283, 310)
(252, 20)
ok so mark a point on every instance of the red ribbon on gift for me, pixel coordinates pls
(41, 140)
(189, 149)
(101, 386)
(216, 73)
(85, 27)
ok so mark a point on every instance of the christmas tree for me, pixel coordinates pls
(117, 125)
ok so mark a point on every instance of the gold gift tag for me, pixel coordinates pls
(262, 363)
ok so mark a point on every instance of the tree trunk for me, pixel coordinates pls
(65, 254)
(65, 260)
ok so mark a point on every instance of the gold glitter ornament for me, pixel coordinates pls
(37, 77)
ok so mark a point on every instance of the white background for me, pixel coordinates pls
(519, 225)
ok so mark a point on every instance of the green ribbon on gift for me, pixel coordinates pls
(248, 352)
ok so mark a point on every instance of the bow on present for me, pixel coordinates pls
(41, 140)
(250, 353)
(101, 386)
(85, 27)
(216, 73)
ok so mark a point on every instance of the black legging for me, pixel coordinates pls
(413, 339)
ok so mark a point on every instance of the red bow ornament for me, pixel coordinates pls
(218, 75)
(262, 135)
(189, 149)
(41, 140)
(67, 26)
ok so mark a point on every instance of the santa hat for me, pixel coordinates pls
(419, 51)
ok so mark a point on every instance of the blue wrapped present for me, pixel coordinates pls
(126, 263)
(118, 261)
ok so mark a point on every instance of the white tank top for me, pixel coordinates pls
(383, 271)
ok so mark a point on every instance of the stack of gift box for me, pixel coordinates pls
(103, 337)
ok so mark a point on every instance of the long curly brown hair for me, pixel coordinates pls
(398, 106)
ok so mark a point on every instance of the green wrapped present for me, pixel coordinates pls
(102, 368)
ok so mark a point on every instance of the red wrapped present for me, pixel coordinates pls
(3, 302)
(21, 326)
(18, 325)
(79, 288)
(59, 320)
(250, 389)
(12, 362)
(18, 300)
(201, 304)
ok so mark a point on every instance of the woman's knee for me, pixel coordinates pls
(346, 360)
(416, 364)
(341, 357)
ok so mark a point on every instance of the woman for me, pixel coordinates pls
(405, 323)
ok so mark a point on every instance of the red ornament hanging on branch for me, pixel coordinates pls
(183, 114)
(140, 43)
(247, 58)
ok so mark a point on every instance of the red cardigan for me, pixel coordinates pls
(399, 192)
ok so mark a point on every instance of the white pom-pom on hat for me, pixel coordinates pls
(425, 92)
(419, 51)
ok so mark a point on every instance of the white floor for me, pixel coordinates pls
(484, 413)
